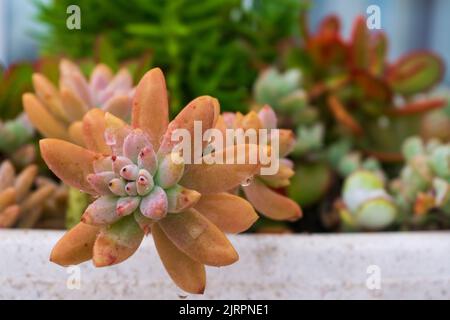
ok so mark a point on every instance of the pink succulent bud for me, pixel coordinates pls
(268, 117)
(147, 160)
(99, 181)
(170, 170)
(134, 143)
(130, 189)
(127, 205)
(101, 212)
(144, 182)
(154, 205)
(117, 186)
(119, 162)
(129, 172)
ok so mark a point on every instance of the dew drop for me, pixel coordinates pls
(247, 182)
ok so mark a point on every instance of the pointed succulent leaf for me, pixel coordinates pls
(50, 96)
(7, 197)
(75, 246)
(188, 274)
(100, 77)
(214, 174)
(74, 107)
(42, 119)
(69, 162)
(271, 203)
(117, 242)
(378, 49)
(416, 72)
(94, 131)
(199, 238)
(119, 106)
(360, 53)
(76, 133)
(7, 175)
(202, 109)
(24, 181)
(150, 106)
(230, 213)
(9, 216)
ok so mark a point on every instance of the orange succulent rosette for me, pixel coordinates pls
(261, 191)
(139, 189)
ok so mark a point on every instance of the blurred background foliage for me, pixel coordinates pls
(205, 47)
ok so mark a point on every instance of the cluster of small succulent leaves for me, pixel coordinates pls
(424, 182)
(142, 186)
(212, 46)
(418, 197)
(27, 200)
(261, 191)
(57, 112)
(16, 137)
(352, 83)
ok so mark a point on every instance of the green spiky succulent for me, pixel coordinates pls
(205, 47)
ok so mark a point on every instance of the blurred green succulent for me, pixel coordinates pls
(205, 47)
(424, 182)
(16, 141)
(365, 203)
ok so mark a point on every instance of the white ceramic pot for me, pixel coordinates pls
(344, 266)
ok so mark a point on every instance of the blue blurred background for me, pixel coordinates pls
(410, 24)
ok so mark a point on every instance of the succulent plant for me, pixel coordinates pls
(20, 205)
(143, 185)
(365, 202)
(285, 94)
(351, 83)
(424, 182)
(262, 190)
(57, 112)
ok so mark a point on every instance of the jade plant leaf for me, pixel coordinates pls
(416, 72)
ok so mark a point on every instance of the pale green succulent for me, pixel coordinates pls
(424, 181)
(284, 93)
(367, 205)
